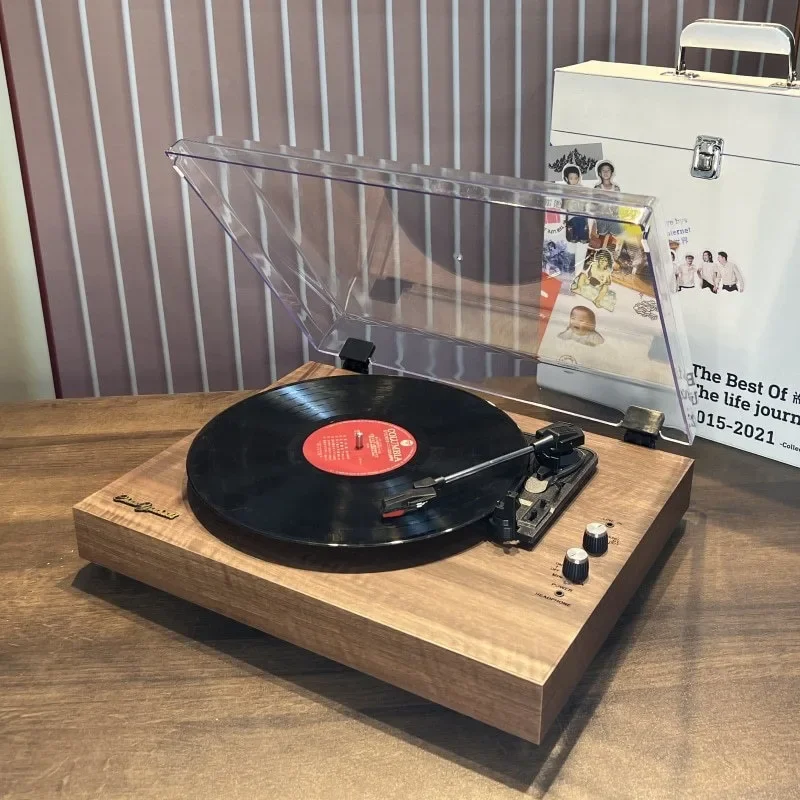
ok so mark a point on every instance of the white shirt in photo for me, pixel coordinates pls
(709, 272)
(685, 274)
(730, 274)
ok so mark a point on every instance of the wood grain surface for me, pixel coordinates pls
(109, 688)
(492, 632)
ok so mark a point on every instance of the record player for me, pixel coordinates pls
(386, 512)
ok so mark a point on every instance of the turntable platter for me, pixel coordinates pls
(312, 462)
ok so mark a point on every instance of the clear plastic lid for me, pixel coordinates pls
(553, 295)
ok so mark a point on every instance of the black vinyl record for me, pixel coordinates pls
(312, 462)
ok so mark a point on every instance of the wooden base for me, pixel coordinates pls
(494, 633)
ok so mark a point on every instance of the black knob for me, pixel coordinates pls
(576, 565)
(595, 539)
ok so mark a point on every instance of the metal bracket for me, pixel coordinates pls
(642, 426)
(355, 355)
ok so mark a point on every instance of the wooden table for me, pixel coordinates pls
(109, 688)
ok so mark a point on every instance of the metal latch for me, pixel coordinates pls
(707, 159)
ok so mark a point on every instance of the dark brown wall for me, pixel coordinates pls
(115, 242)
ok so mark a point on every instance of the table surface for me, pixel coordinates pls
(109, 688)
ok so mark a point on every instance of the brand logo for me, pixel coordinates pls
(144, 506)
(394, 445)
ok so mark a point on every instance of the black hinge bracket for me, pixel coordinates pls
(642, 426)
(355, 355)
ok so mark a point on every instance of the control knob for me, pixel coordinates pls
(595, 539)
(576, 565)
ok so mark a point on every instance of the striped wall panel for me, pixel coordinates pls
(145, 294)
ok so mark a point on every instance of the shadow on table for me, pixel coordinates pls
(500, 756)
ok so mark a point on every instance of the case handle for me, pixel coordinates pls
(750, 37)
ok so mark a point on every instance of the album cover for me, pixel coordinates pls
(598, 287)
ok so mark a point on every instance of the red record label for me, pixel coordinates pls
(359, 447)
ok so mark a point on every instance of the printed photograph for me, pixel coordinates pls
(685, 271)
(558, 257)
(605, 175)
(582, 327)
(612, 229)
(715, 271)
(721, 274)
(577, 223)
(593, 282)
(566, 236)
(603, 316)
(583, 156)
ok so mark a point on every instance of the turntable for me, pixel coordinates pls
(387, 514)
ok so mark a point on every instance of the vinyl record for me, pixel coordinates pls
(312, 462)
